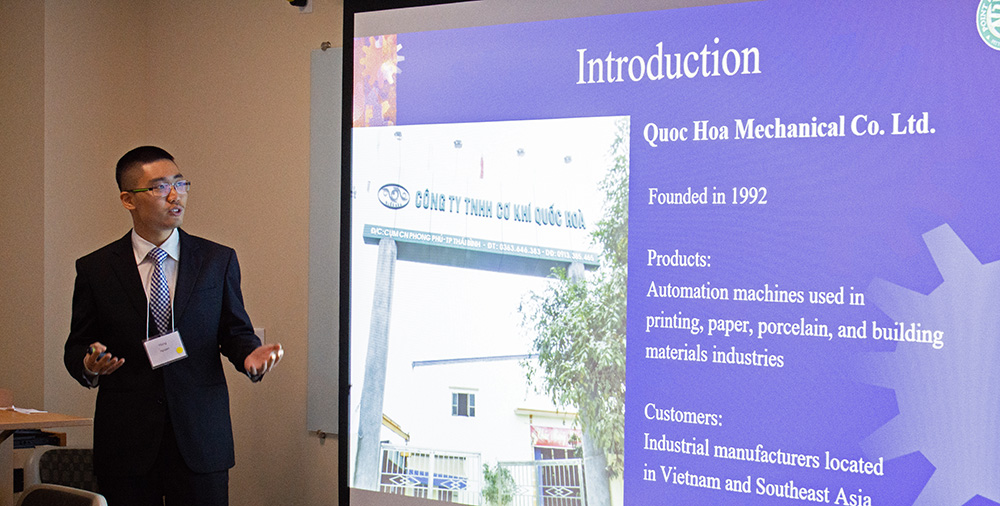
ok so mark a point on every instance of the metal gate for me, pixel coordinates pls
(431, 474)
(548, 482)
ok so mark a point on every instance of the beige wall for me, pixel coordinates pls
(22, 129)
(222, 85)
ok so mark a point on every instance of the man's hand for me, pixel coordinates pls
(263, 359)
(98, 362)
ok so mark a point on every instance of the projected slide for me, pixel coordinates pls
(736, 254)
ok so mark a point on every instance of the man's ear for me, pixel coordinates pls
(127, 201)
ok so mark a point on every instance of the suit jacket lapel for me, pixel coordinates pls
(187, 274)
(128, 274)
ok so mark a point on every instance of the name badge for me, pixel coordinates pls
(165, 349)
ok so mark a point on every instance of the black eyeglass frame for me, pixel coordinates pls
(163, 189)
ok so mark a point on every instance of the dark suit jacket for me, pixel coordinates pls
(134, 402)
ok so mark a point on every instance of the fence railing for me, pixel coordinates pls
(548, 482)
(457, 477)
(431, 474)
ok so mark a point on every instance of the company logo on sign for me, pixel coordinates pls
(988, 22)
(393, 196)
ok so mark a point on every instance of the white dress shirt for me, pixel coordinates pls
(142, 247)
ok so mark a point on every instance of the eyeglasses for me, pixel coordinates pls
(163, 189)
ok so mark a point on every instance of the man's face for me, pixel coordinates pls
(154, 217)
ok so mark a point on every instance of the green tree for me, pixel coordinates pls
(579, 323)
(498, 486)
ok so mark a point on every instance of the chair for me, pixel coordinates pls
(46, 494)
(68, 466)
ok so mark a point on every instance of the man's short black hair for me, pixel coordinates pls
(137, 158)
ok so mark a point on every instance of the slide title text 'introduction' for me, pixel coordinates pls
(704, 63)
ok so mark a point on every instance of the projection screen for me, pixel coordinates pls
(662, 253)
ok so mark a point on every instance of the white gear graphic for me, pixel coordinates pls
(948, 398)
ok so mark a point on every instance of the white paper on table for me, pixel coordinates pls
(26, 411)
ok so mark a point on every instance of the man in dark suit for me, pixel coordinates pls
(162, 425)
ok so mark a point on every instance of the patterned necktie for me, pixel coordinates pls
(159, 293)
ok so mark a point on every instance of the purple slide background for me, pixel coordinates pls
(841, 211)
